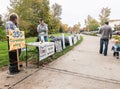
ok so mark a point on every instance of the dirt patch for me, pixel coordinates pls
(3, 68)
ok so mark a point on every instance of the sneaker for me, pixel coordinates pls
(114, 54)
(105, 54)
(117, 57)
(100, 52)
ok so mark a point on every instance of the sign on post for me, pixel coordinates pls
(50, 49)
(78, 37)
(63, 41)
(42, 52)
(70, 40)
(75, 40)
(16, 39)
(46, 49)
(58, 46)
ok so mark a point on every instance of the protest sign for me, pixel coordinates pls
(58, 46)
(46, 49)
(16, 39)
(63, 41)
(75, 40)
(70, 41)
(42, 52)
(50, 49)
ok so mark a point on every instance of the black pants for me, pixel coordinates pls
(13, 63)
(116, 54)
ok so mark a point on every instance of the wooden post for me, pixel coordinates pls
(26, 57)
(18, 59)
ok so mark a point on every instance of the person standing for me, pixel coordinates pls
(106, 34)
(42, 30)
(12, 24)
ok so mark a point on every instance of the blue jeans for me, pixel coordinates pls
(102, 43)
(45, 38)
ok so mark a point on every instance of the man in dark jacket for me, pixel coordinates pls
(106, 34)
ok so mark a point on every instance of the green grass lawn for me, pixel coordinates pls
(4, 60)
(60, 34)
(117, 37)
(3, 54)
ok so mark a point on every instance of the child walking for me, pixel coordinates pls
(116, 49)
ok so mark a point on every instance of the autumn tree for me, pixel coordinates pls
(76, 27)
(91, 23)
(65, 27)
(29, 12)
(104, 15)
(56, 11)
(70, 29)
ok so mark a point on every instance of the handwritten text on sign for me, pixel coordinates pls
(16, 39)
(50, 49)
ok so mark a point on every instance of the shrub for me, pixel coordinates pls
(32, 31)
(2, 33)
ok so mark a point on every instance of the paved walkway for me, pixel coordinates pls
(81, 68)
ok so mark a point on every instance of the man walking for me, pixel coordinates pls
(106, 34)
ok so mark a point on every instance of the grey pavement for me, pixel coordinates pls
(81, 68)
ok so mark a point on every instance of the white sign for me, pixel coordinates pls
(50, 49)
(42, 38)
(63, 41)
(75, 40)
(78, 36)
(58, 46)
(46, 49)
(42, 52)
(70, 40)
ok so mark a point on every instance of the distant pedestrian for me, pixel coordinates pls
(42, 30)
(106, 34)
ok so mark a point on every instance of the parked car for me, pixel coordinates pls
(116, 32)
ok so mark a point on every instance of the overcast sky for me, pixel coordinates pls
(74, 11)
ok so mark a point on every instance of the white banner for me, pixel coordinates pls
(75, 40)
(63, 41)
(58, 46)
(46, 49)
(70, 41)
(42, 52)
(50, 49)
(78, 36)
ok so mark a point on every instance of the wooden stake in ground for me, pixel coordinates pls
(18, 59)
